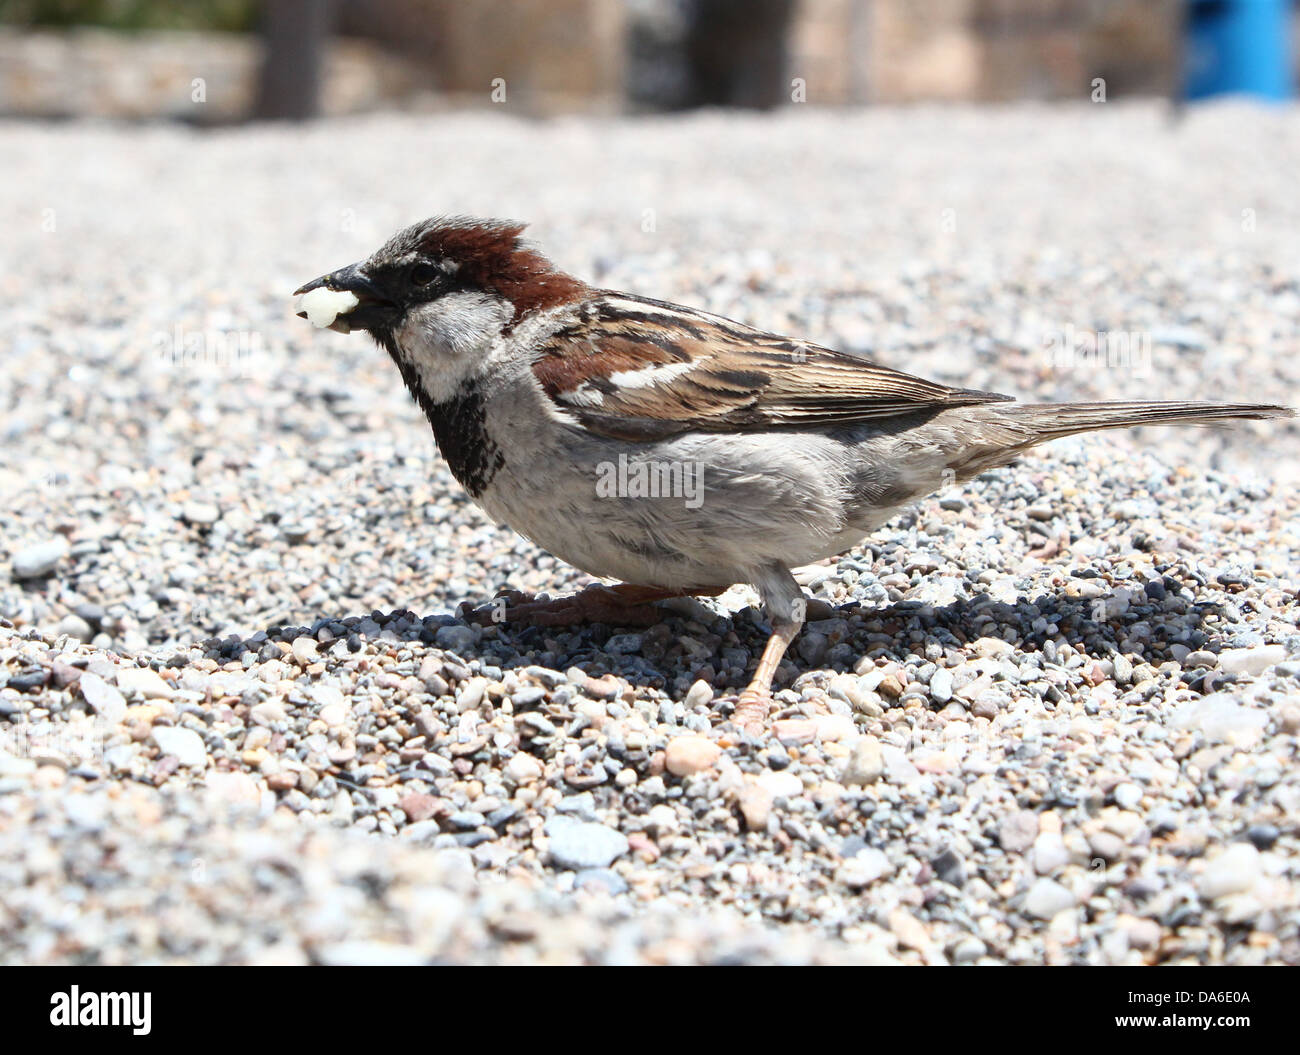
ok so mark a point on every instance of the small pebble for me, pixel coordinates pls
(578, 845)
(1046, 898)
(184, 744)
(686, 755)
(32, 562)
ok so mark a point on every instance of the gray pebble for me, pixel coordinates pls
(580, 844)
(812, 647)
(581, 805)
(75, 626)
(600, 879)
(622, 644)
(456, 638)
(529, 696)
(32, 562)
(1017, 833)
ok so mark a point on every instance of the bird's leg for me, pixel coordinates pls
(755, 703)
(622, 604)
(786, 609)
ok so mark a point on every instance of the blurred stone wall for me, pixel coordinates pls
(547, 54)
(209, 78)
(539, 56)
(883, 51)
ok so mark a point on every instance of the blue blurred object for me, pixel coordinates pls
(1238, 46)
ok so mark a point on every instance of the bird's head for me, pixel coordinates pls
(439, 295)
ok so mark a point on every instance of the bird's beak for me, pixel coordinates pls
(367, 306)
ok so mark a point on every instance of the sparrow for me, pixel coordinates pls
(672, 450)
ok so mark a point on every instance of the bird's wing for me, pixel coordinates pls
(639, 369)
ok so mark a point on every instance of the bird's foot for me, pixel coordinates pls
(753, 707)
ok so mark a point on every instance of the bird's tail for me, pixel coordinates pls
(1050, 421)
(998, 433)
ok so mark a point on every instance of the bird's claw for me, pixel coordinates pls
(751, 712)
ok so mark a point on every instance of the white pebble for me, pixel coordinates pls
(864, 868)
(145, 682)
(1234, 871)
(1050, 854)
(104, 699)
(1251, 661)
(185, 744)
(1046, 898)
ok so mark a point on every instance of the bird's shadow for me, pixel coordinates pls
(655, 656)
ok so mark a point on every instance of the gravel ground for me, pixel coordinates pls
(1051, 716)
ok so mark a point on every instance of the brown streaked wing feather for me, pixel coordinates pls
(694, 371)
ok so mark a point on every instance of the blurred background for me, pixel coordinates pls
(219, 61)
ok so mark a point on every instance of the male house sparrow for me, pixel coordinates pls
(676, 451)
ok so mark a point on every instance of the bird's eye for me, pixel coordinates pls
(423, 274)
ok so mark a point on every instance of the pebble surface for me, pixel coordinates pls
(1051, 716)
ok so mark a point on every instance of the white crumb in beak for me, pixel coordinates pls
(323, 305)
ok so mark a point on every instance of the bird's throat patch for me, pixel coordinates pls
(459, 426)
